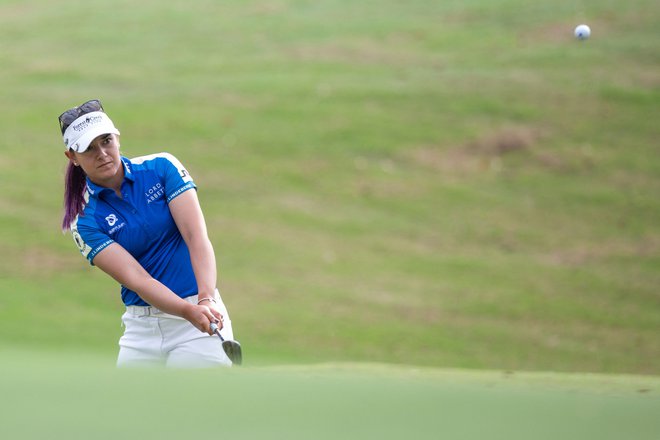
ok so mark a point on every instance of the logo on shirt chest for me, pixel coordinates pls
(111, 219)
(154, 193)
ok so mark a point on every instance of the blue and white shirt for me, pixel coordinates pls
(140, 222)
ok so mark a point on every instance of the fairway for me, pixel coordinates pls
(58, 397)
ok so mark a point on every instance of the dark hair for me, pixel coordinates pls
(75, 185)
(75, 181)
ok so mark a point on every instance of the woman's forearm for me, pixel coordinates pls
(189, 218)
(160, 296)
(203, 262)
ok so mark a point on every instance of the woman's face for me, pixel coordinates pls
(101, 161)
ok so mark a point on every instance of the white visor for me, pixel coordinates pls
(85, 129)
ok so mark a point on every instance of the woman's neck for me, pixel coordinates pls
(114, 182)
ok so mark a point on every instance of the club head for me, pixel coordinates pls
(233, 351)
(232, 348)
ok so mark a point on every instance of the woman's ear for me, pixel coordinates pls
(71, 157)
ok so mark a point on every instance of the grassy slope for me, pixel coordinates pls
(457, 184)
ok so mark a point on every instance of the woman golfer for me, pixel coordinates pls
(139, 220)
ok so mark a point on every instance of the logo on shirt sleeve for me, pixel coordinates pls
(82, 246)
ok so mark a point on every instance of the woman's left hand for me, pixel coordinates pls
(211, 303)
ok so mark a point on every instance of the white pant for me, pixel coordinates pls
(155, 338)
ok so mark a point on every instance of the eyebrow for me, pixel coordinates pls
(101, 138)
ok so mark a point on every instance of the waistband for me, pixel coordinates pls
(153, 311)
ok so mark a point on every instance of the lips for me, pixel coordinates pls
(105, 164)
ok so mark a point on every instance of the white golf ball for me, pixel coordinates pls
(582, 32)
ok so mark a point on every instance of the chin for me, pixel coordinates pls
(107, 171)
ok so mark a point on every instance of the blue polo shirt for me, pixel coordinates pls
(140, 222)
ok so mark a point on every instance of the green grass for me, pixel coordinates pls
(67, 395)
(444, 184)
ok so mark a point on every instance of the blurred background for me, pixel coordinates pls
(456, 184)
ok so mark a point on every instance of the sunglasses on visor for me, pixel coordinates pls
(74, 113)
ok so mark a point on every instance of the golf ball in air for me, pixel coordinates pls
(582, 32)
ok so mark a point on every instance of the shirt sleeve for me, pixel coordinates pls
(177, 178)
(90, 241)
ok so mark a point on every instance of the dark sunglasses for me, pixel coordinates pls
(74, 113)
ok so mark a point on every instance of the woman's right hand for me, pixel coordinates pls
(201, 316)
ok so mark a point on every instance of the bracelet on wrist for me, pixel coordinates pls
(206, 299)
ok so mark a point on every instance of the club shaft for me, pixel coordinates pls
(216, 330)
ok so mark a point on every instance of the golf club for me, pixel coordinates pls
(231, 348)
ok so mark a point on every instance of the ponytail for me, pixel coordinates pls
(75, 185)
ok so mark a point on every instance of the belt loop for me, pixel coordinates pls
(138, 311)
